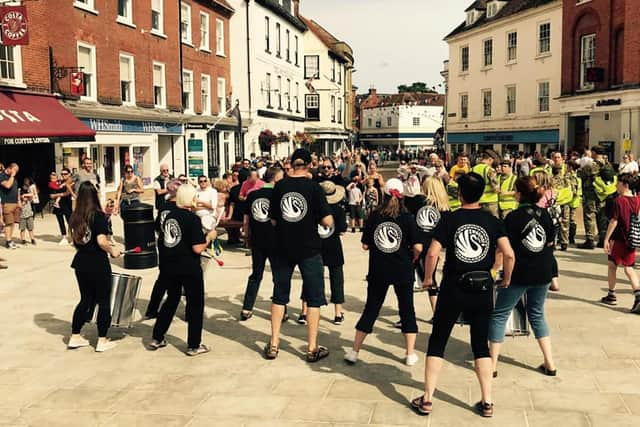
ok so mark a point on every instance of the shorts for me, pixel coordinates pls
(26, 224)
(312, 272)
(356, 212)
(621, 254)
(10, 213)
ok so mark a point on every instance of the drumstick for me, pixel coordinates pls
(207, 255)
(135, 250)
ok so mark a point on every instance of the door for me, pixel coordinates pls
(581, 133)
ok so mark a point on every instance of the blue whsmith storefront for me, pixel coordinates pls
(504, 142)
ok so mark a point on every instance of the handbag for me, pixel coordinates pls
(476, 281)
(634, 230)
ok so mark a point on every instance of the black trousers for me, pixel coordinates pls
(62, 214)
(376, 294)
(157, 294)
(336, 283)
(173, 282)
(419, 268)
(259, 257)
(477, 308)
(95, 289)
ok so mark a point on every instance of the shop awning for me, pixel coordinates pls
(27, 118)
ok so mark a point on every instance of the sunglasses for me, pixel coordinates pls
(203, 181)
(64, 173)
(164, 170)
(129, 171)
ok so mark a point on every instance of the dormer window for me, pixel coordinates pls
(471, 17)
(492, 9)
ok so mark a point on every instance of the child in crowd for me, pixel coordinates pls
(108, 212)
(55, 186)
(355, 204)
(371, 197)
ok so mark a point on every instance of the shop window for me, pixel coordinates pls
(108, 163)
(142, 163)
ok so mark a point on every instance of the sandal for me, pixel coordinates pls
(317, 354)
(246, 315)
(547, 372)
(422, 407)
(485, 409)
(270, 351)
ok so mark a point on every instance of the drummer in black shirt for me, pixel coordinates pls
(471, 237)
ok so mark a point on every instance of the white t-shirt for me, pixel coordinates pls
(355, 196)
(630, 167)
(208, 195)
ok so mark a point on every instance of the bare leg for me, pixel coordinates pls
(633, 278)
(313, 323)
(304, 307)
(545, 346)
(357, 342)
(433, 299)
(433, 366)
(8, 232)
(494, 349)
(22, 235)
(484, 372)
(410, 343)
(611, 276)
(338, 308)
(277, 311)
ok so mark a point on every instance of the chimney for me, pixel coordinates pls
(296, 7)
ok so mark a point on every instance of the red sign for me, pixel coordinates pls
(77, 83)
(14, 24)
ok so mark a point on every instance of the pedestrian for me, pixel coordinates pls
(370, 198)
(183, 242)
(28, 202)
(548, 201)
(356, 200)
(489, 199)
(65, 194)
(261, 236)
(506, 193)
(391, 237)
(109, 210)
(206, 208)
(160, 186)
(91, 265)
(129, 190)
(471, 236)
(616, 242)
(531, 233)
(11, 204)
(576, 201)
(86, 174)
(628, 165)
(298, 205)
(462, 164)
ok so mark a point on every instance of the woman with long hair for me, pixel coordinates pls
(391, 237)
(531, 232)
(89, 232)
(548, 201)
(61, 194)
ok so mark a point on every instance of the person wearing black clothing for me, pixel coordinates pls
(261, 237)
(183, 242)
(471, 237)
(237, 208)
(89, 233)
(531, 233)
(297, 206)
(244, 171)
(328, 172)
(391, 237)
(160, 186)
(65, 204)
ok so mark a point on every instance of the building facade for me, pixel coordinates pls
(503, 77)
(600, 102)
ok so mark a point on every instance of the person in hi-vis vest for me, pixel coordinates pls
(507, 195)
(489, 199)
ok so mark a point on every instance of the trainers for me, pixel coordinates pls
(104, 345)
(33, 242)
(411, 359)
(636, 306)
(398, 324)
(11, 245)
(338, 319)
(302, 319)
(155, 345)
(350, 356)
(610, 300)
(63, 242)
(202, 349)
(77, 343)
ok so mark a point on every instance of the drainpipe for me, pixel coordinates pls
(180, 59)
(250, 103)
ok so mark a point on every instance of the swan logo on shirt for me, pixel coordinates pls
(260, 209)
(471, 243)
(294, 207)
(326, 232)
(163, 217)
(172, 233)
(388, 237)
(536, 238)
(87, 237)
(427, 218)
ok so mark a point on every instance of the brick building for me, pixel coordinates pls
(600, 100)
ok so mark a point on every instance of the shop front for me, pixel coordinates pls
(504, 142)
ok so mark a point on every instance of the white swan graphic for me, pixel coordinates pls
(293, 206)
(325, 232)
(388, 237)
(427, 218)
(471, 243)
(172, 233)
(536, 239)
(260, 209)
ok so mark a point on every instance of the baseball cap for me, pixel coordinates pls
(301, 156)
(394, 187)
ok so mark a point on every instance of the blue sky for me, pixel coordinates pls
(394, 41)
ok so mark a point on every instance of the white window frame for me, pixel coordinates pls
(464, 69)
(205, 33)
(278, 40)
(132, 77)
(220, 37)
(540, 40)
(189, 107)
(164, 85)
(586, 63)
(221, 100)
(464, 106)
(205, 92)
(484, 94)
(339, 114)
(186, 19)
(17, 81)
(158, 31)
(416, 122)
(94, 78)
(287, 52)
(511, 100)
(288, 95)
(279, 89)
(297, 52)
(512, 48)
(297, 97)
(267, 89)
(492, 9)
(87, 6)
(333, 109)
(126, 20)
(267, 34)
(485, 64)
(389, 121)
(544, 98)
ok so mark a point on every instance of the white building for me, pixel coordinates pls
(402, 121)
(267, 71)
(504, 77)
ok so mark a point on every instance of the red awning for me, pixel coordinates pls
(27, 118)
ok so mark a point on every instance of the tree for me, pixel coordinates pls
(420, 87)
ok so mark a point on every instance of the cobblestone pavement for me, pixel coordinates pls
(597, 350)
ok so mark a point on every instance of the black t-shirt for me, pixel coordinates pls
(160, 219)
(8, 195)
(390, 242)
(238, 205)
(89, 255)
(531, 231)
(181, 230)
(427, 218)
(470, 237)
(243, 174)
(297, 206)
(263, 234)
(332, 254)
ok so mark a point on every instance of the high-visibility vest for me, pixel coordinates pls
(489, 195)
(507, 202)
(565, 192)
(604, 189)
(538, 169)
(454, 196)
(577, 197)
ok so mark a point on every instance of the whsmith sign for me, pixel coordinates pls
(130, 126)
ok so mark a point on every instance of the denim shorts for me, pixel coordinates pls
(312, 271)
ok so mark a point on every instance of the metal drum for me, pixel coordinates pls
(517, 325)
(139, 230)
(124, 297)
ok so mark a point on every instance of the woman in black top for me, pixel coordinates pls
(531, 233)
(391, 237)
(93, 271)
(64, 204)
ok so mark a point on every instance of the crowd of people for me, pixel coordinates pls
(499, 221)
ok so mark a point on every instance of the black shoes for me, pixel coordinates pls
(302, 319)
(563, 247)
(588, 244)
(338, 319)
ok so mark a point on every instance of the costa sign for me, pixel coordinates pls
(14, 25)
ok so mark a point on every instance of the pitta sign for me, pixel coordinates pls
(14, 25)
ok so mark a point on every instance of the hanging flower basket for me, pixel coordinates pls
(304, 138)
(266, 139)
